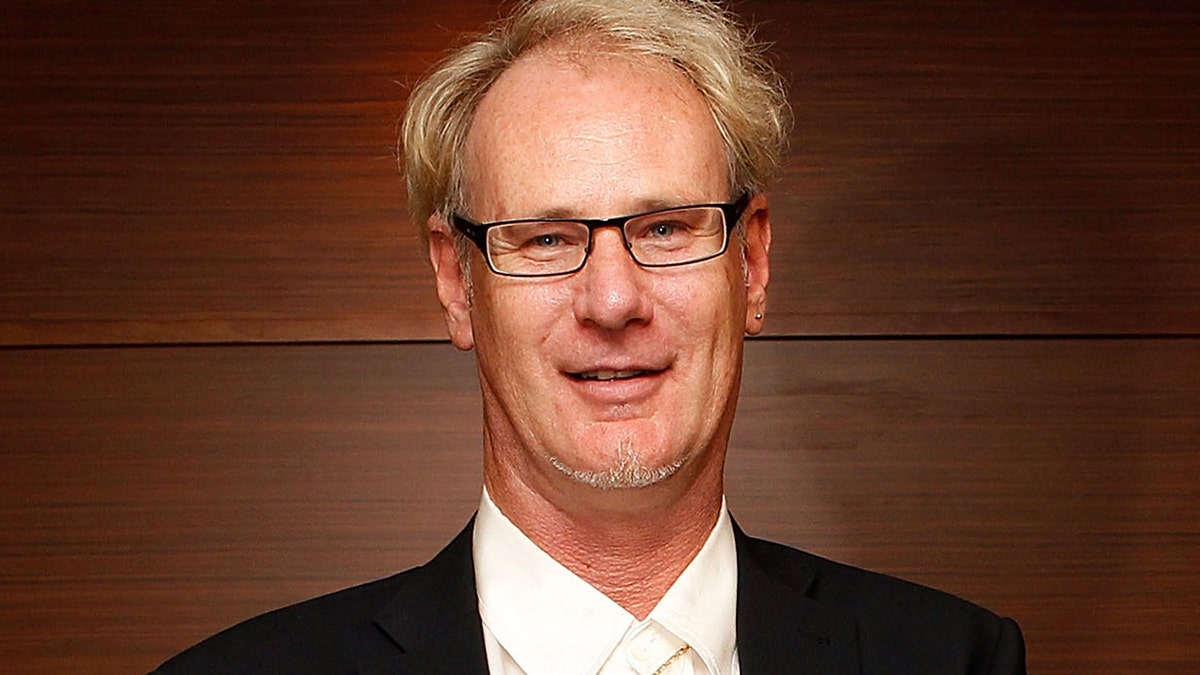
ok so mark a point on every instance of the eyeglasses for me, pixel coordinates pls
(545, 247)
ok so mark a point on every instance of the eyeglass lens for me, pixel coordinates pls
(674, 237)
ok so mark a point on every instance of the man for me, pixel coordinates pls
(582, 173)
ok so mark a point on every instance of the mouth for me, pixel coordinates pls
(609, 375)
(621, 385)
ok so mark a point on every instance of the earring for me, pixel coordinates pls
(758, 316)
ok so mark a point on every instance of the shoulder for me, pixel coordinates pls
(348, 630)
(894, 621)
(849, 587)
(316, 635)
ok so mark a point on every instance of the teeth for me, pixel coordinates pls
(607, 375)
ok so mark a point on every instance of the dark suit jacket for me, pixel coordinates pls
(796, 613)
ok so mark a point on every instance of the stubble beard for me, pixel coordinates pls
(629, 471)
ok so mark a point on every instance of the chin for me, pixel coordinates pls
(629, 469)
(626, 476)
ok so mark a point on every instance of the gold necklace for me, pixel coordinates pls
(678, 653)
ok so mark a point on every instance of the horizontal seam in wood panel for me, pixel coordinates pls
(881, 337)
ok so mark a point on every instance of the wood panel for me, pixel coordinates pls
(211, 171)
(150, 496)
(1054, 481)
(217, 171)
(990, 168)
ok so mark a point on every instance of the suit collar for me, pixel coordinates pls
(434, 618)
(780, 626)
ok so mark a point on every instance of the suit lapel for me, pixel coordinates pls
(780, 628)
(434, 618)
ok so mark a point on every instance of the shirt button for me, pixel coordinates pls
(640, 651)
(643, 648)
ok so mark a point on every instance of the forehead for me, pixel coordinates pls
(568, 133)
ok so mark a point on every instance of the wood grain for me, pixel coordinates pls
(151, 496)
(216, 171)
(989, 168)
(213, 171)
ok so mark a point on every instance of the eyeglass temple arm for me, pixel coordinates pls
(474, 231)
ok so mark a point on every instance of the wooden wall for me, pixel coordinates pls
(226, 389)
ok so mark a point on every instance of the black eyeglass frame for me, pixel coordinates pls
(477, 232)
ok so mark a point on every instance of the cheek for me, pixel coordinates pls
(707, 306)
(516, 316)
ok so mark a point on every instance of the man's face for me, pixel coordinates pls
(615, 375)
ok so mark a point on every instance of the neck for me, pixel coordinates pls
(630, 544)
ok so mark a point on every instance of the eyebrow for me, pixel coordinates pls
(567, 213)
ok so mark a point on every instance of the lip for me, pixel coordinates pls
(631, 385)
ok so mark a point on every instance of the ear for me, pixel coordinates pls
(758, 265)
(452, 288)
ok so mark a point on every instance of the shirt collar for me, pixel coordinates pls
(551, 621)
(701, 606)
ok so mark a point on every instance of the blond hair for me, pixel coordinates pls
(722, 60)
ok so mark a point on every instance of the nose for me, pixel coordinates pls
(611, 293)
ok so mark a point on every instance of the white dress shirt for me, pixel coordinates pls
(541, 619)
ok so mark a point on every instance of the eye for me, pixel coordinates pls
(546, 240)
(663, 229)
